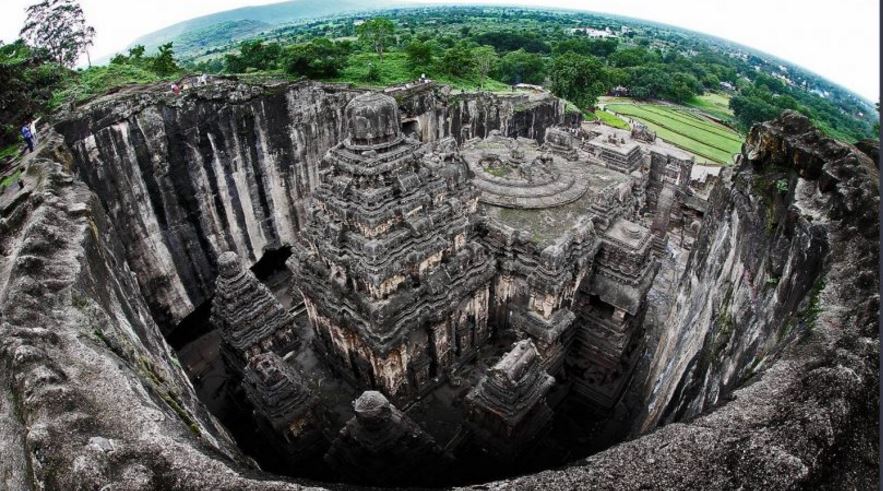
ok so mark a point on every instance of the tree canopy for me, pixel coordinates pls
(578, 78)
(28, 77)
(59, 27)
(377, 33)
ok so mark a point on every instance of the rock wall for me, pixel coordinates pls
(92, 395)
(756, 278)
(767, 374)
(230, 166)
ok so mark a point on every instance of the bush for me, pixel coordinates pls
(320, 58)
(457, 61)
(27, 81)
(255, 55)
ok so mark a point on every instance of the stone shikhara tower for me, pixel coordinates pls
(382, 445)
(395, 286)
(286, 405)
(250, 318)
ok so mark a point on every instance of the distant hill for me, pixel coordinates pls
(246, 21)
(218, 34)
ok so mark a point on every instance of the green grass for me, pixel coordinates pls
(99, 80)
(678, 127)
(10, 151)
(10, 179)
(611, 120)
(690, 119)
(394, 69)
(714, 104)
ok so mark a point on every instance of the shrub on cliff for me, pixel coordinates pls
(27, 79)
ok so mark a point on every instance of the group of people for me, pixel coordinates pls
(176, 89)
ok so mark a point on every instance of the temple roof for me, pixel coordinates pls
(373, 120)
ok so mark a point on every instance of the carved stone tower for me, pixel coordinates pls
(507, 410)
(382, 445)
(395, 286)
(250, 319)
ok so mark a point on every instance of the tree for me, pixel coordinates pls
(750, 109)
(377, 33)
(635, 56)
(577, 78)
(510, 41)
(163, 63)
(255, 55)
(59, 27)
(585, 46)
(419, 54)
(683, 87)
(457, 60)
(486, 61)
(521, 67)
(877, 124)
(320, 58)
(28, 79)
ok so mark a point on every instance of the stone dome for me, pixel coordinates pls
(373, 119)
(229, 265)
(371, 406)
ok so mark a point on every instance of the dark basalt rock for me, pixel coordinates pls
(249, 317)
(766, 376)
(382, 445)
(871, 148)
(507, 409)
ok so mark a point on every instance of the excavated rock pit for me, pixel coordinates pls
(763, 373)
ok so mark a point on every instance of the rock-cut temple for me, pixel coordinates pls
(470, 279)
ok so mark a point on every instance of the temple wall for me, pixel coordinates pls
(230, 166)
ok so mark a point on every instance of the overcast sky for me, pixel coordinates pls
(838, 39)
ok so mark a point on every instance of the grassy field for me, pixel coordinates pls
(680, 127)
(10, 179)
(714, 104)
(611, 119)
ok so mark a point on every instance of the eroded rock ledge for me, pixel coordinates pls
(92, 395)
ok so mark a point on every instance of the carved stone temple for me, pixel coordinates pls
(393, 277)
(507, 409)
(380, 444)
(250, 319)
(464, 288)
(285, 403)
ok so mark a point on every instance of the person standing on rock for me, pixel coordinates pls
(28, 136)
(33, 128)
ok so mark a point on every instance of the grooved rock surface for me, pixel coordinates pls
(229, 166)
(92, 395)
(776, 316)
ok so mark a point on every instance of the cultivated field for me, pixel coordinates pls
(682, 127)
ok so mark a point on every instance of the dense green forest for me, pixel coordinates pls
(475, 48)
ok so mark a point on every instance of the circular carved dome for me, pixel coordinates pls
(228, 264)
(371, 406)
(373, 119)
(634, 231)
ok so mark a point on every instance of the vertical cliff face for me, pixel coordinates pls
(758, 275)
(767, 373)
(765, 377)
(434, 112)
(90, 393)
(230, 166)
(226, 167)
